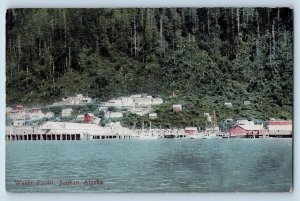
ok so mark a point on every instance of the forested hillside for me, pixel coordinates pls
(204, 57)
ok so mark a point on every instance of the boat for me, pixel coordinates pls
(211, 136)
(196, 136)
(148, 137)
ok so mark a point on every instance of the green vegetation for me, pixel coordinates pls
(206, 56)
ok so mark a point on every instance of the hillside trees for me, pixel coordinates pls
(224, 54)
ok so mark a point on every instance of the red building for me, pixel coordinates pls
(247, 131)
(190, 130)
(19, 107)
(36, 110)
(87, 118)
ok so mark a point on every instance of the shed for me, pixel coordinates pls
(177, 108)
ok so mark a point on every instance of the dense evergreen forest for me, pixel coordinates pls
(199, 57)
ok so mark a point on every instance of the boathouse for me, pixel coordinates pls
(247, 131)
(280, 128)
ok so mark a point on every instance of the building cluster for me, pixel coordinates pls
(68, 131)
(274, 128)
(136, 104)
(87, 125)
(23, 116)
(79, 131)
(230, 105)
(79, 99)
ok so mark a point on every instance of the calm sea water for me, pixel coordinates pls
(166, 165)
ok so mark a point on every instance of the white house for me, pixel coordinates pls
(103, 108)
(114, 103)
(19, 122)
(127, 101)
(79, 99)
(206, 114)
(113, 115)
(36, 113)
(136, 96)
(228, 105)
(177, 108)
(8, 109)
(17, 114)
(244, 122)
(247, 102)
(141, 111)
(97, 120)
(66, 112)
(143, 101)
(80, 117)
(83, 99)
(153, 115)
(157, 101)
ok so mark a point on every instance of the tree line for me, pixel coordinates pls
(205, 56)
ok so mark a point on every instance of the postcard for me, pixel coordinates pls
(149, 100)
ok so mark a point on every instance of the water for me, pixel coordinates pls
(166, 165)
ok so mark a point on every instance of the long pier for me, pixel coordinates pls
(58, 137)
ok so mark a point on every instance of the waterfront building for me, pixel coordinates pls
(68, 131)
(280, 128)
(22, 133)
(88, 118)
(247, 130)
(190, 130)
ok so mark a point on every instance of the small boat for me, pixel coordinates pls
(196, 136)
(148, 137)
(211, 136)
